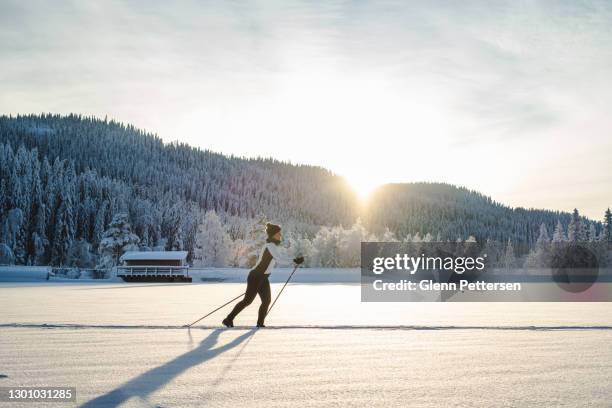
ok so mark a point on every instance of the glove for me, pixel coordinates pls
(298, 260)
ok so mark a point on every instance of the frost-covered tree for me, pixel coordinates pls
(116, 240)
(592, 232)
(494, 252)
(575, 230)
(559, 233)
(509, 258)
(37, 238)
(6, 255)
(387, 236)
(325, 244)
(80, 254)
(543, 238)
(607, 226)
(253, 242)
(13, 234)
(64, 231)
(349, 245)
(213, 244)
(301, 246)
(540, 256)
(238, 253)
(99, 224)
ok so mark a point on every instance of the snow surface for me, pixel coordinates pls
(123, 345)
(20, 273)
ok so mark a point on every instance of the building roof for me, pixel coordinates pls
(154, 256)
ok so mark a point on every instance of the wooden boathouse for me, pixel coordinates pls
(154, 266)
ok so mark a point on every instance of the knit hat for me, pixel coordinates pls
(272, 229)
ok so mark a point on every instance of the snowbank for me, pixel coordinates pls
(302, 275)
(20, 273)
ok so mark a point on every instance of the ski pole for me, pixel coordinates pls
(283, 288)
(220, 307)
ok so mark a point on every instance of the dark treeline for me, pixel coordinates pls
(456, 212)
(236, 186)
(64, 178)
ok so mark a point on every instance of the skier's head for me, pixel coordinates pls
(274, 232)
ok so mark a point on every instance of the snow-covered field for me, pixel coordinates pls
(122, 344)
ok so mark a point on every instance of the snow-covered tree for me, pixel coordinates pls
(592, 232)
(64, 231)
(543, 238)
(387, 236)
(325, 244)
(575, 230)
(349, 245)
(494, 252)
(509, 258)
(80, 254)
(99, 224)
(540, 256)
(213, 244)
(558, 234)
(6, 255)
(116, 240)
(13, 234)
(238, 253)
(253, 242)
(607, 226)
(301, 246)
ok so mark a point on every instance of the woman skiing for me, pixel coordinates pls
(257, 282)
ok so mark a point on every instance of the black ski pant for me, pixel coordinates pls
(257, 284)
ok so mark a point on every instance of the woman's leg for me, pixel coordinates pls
(253, 282)
(266, 297)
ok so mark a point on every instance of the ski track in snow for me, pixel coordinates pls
(294, 327)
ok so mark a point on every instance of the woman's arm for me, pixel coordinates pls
(279, 254)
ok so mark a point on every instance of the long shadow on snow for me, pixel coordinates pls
(152, 380)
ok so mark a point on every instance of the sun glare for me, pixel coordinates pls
(363, 187)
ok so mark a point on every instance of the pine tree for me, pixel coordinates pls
(37, 239)
(6, 255)
(509, 258)
(559, 234)
(540, 257)
(99, 225)
(543, 238)
(494, 252)
(13, 234)
(607, 227)
(80, 254)
(349, 245)
(576, 231)
(592, 232)
(64, 231)
(117, 239)
(212, 242)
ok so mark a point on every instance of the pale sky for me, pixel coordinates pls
(513, 100)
